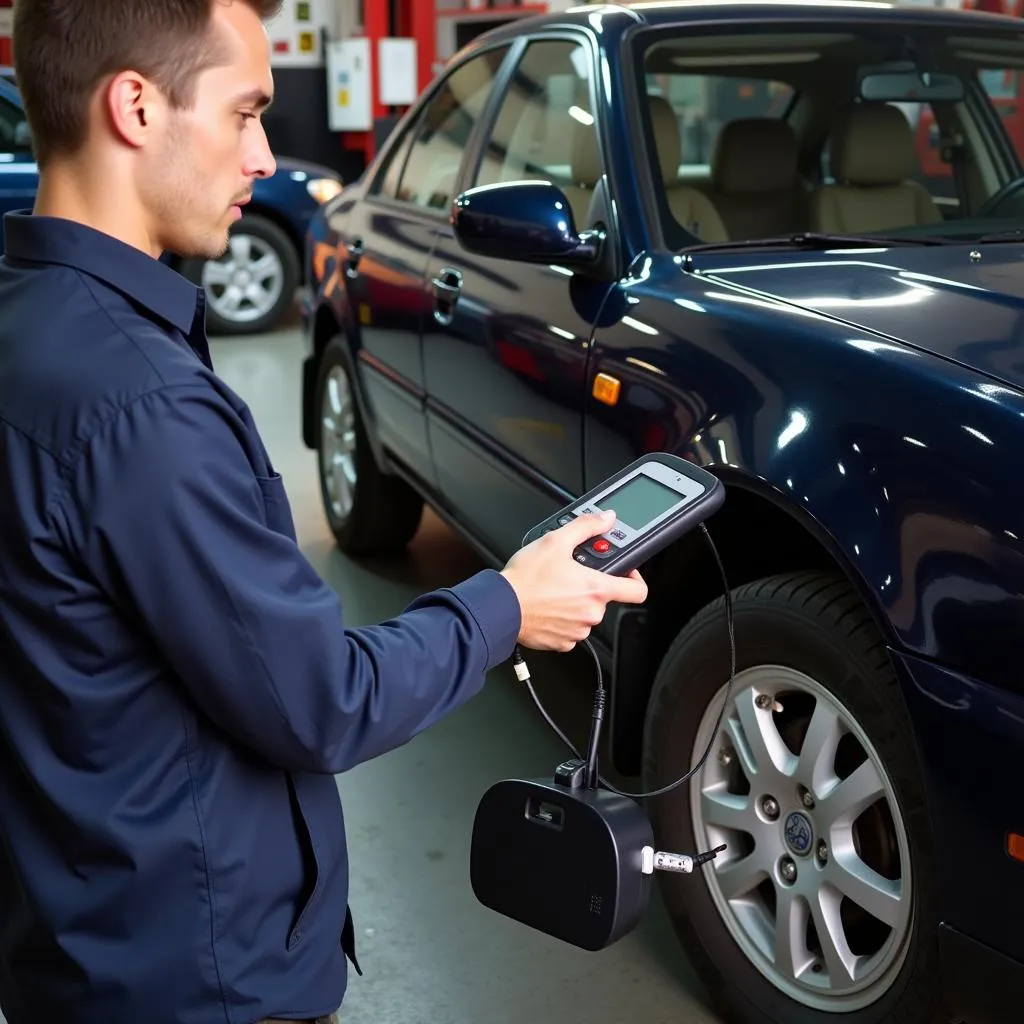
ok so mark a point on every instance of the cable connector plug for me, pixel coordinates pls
(519, 666)
(652, 860)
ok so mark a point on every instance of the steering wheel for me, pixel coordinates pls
(1008, 191)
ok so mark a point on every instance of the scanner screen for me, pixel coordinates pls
(641, 500)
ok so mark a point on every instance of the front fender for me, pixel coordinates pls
(897, 457)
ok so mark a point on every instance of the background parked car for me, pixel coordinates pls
(554, 267)
(253, 286)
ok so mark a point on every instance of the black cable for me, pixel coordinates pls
(593, 778)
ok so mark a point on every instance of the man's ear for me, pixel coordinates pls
(134, 106)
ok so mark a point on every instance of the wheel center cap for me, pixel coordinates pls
(799, 833)
(242, 277)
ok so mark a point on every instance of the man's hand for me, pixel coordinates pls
(561, 600)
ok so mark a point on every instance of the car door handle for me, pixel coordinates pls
(355, 254)
(447, 288)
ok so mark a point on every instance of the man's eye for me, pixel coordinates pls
(248, 117)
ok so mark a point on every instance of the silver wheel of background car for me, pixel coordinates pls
(246, 283)
(815, 885)
(338, 442)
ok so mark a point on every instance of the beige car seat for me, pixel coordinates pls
(872, 159)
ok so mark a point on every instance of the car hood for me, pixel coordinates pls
(962, 302)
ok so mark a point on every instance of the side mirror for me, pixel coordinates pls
(529, 221)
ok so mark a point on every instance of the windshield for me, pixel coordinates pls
(900, 130)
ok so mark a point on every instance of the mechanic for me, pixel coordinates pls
(176, 685)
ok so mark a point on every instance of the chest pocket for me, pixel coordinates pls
(275, 504)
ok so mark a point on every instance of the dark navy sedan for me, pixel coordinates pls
(709, 228)
(252, 286)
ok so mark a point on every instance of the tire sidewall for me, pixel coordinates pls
(692, 673)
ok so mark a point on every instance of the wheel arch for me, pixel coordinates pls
(685, 577)
(326, 326)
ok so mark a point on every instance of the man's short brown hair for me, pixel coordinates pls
(64, 49)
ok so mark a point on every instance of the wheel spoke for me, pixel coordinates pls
(764, 754)
(840, 961)
(230, 300)
(847, 800)
(881, 897)
(266, 268)
(337, 396)
(241, 248)
(727, 810)
(343, 481)
(818, 753)
(791, 912)
(217, 273)
(739, 877)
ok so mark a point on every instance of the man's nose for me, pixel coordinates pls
(260, 162)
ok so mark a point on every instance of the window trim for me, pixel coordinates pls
(411, 124)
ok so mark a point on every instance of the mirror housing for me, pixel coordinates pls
(527, 221)
(905, 82)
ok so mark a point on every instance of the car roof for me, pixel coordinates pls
(655, 13)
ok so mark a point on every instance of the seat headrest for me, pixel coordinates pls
(872, 144)
(667, 138)
(755, 154)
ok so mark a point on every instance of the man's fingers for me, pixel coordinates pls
(631, 589)
(582, 528)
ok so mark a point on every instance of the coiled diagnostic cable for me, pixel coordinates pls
(593, 777)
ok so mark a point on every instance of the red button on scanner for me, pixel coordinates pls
(602, 545)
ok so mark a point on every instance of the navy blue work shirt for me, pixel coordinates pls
(176, 684)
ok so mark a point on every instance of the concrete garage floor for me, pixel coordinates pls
(429, 951)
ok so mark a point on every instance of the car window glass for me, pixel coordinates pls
(742, 131)
(1003, 88)
(545, 127)
(704, 104)
(387, 183)
(14, 133)
(443, 133)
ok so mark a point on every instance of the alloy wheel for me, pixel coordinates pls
(815, 884)
(245, 284)
(338, 442)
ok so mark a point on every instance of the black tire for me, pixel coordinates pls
(268, 237)
(385, 512)
(818, 626)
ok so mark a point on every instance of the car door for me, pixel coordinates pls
(19, 177)
(385, 244)
(505, 346)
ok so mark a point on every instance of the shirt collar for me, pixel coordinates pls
(154, 285)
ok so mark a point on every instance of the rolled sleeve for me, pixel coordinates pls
(165, 509)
